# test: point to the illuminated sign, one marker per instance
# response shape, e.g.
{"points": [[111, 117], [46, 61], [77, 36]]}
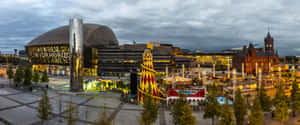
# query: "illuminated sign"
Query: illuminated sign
{"points": [[49, 55]]}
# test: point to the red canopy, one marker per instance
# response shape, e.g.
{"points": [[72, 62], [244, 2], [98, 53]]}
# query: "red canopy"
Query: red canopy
{"points": [[187, 92]]}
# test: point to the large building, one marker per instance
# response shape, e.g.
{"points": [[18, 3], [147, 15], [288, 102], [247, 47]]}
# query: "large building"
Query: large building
{"points": [[253, 58], [102, 53], [128, 57], [50, 51]]}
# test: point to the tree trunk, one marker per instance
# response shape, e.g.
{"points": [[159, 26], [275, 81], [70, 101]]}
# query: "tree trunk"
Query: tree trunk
{"points": [[213, 121], [299, 116]]}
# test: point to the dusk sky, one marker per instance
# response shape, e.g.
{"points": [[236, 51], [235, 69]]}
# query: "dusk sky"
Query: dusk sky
{"points": [[205, 24]]}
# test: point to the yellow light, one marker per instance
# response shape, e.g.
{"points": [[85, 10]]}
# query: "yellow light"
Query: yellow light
{"points": [[160, 61]]}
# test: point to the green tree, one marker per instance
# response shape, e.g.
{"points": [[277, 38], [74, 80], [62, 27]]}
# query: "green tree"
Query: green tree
{"points": [[239, 107], [264, 99], [182, 112], [27, 75], [103, 118], [72, 113], [19, 75], [256, 115], [10, 73], [45, 77], [295, 98], [36, 76], [45, 108], [212, 107], [227, 116], [150, 111], [281, 105], [187, 117]]}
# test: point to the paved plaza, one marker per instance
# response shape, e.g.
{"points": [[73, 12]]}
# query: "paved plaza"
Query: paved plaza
{"points": [[19, 107]]}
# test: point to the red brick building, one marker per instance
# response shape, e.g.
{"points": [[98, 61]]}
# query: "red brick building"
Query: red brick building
{"points": [[251, 56]]}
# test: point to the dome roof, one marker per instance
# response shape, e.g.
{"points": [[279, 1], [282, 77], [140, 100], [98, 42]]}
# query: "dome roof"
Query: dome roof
{"points": [[94, 36]]}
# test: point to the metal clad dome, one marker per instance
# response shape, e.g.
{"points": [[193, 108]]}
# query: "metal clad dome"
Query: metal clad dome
{"points": [[94, 36]]}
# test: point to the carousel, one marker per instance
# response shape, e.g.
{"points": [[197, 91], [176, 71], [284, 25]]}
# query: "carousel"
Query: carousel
{"points": [[178, 81]]}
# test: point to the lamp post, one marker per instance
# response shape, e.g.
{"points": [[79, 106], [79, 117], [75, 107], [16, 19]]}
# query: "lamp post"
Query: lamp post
{"points": [[214, 70], [243, 70], [182, 70], [204, 77], [259, 78], [234, 83], [293, 73], [199, 73], [173, 80], [279, 75], [256, 68], [269, 66], [167, 71], [228, 70]]}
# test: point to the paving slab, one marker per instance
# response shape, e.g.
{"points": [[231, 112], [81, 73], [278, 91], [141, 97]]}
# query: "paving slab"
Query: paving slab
{"points": [[20, 116], [55, 105], [56, 121], [200, 120], [91, 114], [4, 81], [125, 117], [128, 106], [110, 94], [7, 91], [25, 97], [75, 99], [5, 103], [50, 93], [169, 119], [110, 103]]}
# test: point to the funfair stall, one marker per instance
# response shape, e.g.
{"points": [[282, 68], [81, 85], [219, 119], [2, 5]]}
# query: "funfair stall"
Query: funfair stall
{"points": [[193, 96]]}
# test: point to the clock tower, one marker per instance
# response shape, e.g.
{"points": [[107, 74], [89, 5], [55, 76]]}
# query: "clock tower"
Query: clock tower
{"points": [[269, 45]]}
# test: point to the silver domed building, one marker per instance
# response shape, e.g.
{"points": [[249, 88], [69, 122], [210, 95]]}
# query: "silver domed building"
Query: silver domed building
{"points": [[50, 51]]}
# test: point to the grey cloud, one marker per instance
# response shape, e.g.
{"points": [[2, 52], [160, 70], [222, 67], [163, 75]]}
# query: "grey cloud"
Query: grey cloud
{"points": [[204, 24]]}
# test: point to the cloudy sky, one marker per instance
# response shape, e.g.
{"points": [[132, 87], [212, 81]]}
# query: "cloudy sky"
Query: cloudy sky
{"points": [[204, 24]]}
